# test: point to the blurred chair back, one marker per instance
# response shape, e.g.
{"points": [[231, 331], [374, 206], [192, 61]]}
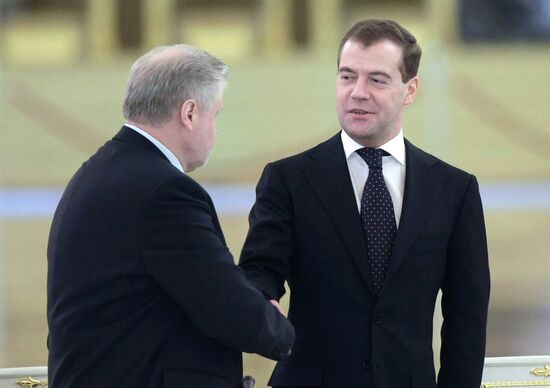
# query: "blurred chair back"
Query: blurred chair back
{"points": [[523, 371], [34, 377]]}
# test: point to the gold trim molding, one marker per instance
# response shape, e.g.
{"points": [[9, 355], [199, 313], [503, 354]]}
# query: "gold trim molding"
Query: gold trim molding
{"points": [[541, 372], [517, 384], [30, 382], [545, 372]]}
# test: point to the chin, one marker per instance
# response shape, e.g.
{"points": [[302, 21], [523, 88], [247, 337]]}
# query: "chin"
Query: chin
{"points": [[359, 133], [202, 162]]}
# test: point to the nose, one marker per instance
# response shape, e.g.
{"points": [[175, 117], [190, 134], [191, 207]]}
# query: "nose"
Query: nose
{"points": [[360, 90]]}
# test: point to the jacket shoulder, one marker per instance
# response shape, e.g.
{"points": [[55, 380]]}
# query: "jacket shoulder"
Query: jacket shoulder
{"points": [[125, 167], [312, 153], [444, 168]]}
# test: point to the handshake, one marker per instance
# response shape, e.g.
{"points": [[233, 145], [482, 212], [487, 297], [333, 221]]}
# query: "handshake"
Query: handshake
{"points": [[276, 304], [249, 381]]}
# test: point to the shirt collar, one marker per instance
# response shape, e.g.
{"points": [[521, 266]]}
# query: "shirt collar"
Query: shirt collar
{"points": [[395, 147], [166, 152]]}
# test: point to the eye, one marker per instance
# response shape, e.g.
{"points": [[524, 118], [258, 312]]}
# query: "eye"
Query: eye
{"points": [[379, 81], [346, 77]]}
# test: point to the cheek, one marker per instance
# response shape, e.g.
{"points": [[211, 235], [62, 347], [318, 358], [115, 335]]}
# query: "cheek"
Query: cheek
{"points": [[213, 132], [340, 102], [390, 103], [341, 93]]}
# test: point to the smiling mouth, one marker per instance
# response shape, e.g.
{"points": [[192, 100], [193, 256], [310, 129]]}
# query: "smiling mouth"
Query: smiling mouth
{"points": [[359, 112]]}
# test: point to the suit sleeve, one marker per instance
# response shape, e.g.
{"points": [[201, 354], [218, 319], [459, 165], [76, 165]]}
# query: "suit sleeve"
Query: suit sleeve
{"points": [[465, 297], [268, 246], [185, 254]]}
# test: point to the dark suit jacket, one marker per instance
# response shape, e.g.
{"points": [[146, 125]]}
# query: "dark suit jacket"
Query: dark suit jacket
{"points": [[142, 289], [305, 228]]}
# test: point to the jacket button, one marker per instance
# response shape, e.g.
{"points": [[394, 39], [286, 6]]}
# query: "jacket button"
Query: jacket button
{"points": [[378, 319], [366, 364]]}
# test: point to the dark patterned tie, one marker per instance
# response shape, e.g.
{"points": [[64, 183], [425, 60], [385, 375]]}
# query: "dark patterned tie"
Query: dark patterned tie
{"points": [[377, 217]]}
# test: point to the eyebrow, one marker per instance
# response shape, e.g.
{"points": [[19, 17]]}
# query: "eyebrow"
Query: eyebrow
{"points": [[346, 69], [381, 73]]}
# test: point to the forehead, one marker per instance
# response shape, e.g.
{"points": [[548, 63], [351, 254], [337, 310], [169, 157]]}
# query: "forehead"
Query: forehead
{"points": [[383, 55]]}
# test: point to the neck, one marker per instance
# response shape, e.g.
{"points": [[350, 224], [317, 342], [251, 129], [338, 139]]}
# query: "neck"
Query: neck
{"points": [[167, 134], [375, 142]]}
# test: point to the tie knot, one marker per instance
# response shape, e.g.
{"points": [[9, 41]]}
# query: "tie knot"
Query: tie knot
{"points": [[372, 156]]}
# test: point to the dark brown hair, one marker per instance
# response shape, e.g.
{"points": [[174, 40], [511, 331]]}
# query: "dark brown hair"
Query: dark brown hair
{"points": [[371, 31]]}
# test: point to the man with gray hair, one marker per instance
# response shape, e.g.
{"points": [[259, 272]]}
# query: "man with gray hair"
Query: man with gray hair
{"points": [[142, 289]]}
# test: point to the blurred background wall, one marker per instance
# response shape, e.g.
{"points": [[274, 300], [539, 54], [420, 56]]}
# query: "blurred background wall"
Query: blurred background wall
{"points": [[483, 106]]}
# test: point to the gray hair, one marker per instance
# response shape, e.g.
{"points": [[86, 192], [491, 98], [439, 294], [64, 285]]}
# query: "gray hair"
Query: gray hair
{"points": [[165, 77]]}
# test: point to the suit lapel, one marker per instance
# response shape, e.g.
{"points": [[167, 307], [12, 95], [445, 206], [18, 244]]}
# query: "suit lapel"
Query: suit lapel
{"points": [[422, 188], [329, 178]]}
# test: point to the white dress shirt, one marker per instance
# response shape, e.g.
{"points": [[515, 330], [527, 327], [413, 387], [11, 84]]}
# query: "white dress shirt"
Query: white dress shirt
{"points": [[393, 169], [169, 155]]}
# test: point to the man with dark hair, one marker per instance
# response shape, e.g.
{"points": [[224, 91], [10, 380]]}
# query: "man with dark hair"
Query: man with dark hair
{"points": [[142, 289], [366, 229]]}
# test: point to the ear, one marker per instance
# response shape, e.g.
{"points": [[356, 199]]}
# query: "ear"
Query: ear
{"points": [[412, 87], [188, 112]]}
